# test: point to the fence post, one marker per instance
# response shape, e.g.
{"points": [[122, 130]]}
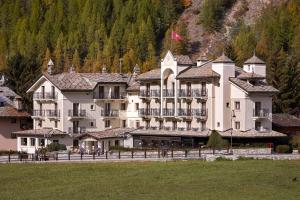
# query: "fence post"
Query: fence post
{"points": [[69, 155], [185, 153], [21, 156], [199, 152], [119, 154], [56, 156], [145, 154], [105, 154], [172, 152], [9, 157], [132, 154], [94, 155], [81, 155]]}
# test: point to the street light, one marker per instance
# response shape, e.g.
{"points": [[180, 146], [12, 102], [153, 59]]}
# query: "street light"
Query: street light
{"points": [[232, 117]]}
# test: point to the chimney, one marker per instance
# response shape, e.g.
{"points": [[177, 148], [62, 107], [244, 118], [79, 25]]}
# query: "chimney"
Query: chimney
{"points": [[136, 70], [104, 71], [50, 67], [201, 60]]}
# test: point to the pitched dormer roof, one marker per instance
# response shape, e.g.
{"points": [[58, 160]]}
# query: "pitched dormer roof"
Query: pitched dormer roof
{"points": [[183, 60], [254, 60], [223, 59]]}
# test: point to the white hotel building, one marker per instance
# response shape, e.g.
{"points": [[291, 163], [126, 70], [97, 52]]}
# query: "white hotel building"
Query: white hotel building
{"points": [[177, 104]]}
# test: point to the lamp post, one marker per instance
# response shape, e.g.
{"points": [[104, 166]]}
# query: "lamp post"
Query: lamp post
{"points": [[232, 117]]}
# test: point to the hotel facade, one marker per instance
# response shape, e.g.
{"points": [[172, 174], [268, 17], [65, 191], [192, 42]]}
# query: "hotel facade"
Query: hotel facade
{"points": [[177, 104]]}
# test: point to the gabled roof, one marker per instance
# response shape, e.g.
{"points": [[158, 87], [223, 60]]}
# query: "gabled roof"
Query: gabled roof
{"points": [[223, 59], [10, 111], [241, 74], [203, 71], [285, 120], [7, 92], [246, 86], [153, 74], [254, 60], [109, 133], [183, 60]]}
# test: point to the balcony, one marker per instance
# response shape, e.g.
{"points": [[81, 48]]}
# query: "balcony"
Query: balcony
{"points": [[53, 114], [38, 114], [149, 94], [197, 93], [76, 114], [110, 113], [45, 97], [109, 97], [200, 114], [168, 93], [262, 129], [168, 112], [184, 93], [261, 114], [185, 113], [154, 112], [76, 130]]}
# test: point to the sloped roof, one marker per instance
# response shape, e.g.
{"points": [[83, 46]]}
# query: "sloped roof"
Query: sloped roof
{"points": [[223, 59], [109, 133], [245, 85], [153, 74], [203, 71], [254, 60], [41, 132], [7, 92], [285, 120], [183, 60], [251, 134], [133, 86], [10, 111], [241, 74]]}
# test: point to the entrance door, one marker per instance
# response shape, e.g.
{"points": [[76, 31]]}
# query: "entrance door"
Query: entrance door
{"points": [[189, 89], [107, 108], [75, 109], [75, 126]]}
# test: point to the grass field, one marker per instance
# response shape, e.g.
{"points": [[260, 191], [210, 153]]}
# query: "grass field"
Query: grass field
{"points": [[152, 180]]}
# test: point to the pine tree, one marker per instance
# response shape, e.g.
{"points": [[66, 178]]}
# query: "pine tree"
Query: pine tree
{"points": [[46, 59]]}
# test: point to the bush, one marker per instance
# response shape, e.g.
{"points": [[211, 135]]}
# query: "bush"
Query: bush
{"points": [[215, 141], [56, 147], [283, 149], [5, 152]]}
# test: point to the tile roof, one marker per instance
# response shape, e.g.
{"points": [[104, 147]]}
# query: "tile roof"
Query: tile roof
{"points": [[10, 111], [84, 81], [241, 74], [245, 85], [150, 75], [109, 133], [183, 60], [285, 120], [203, 71], [223, 59], [133, 86], [251, 134], [7, 92], [254, 60], [41, 132]]}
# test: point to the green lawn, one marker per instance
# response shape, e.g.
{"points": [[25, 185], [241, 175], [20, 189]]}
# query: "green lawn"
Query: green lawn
{"points": [[152, 180]]}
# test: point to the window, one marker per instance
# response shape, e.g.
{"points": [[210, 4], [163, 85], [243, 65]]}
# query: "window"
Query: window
{"points": [[13, 120], [107, 123], [257, 125], [147, 124], [137, 124], [32, 142], [136, 106], [174, 125], [92, 107], [123, 106], [203, 126], [117, 143], [227, 105], [188, 125], [218, 124], [92, 124], [161, 124], [237, 105], [24, 141], [40, 123], [75, 143], [124, 123], [55, 124], [41, 142], [237, 125]]}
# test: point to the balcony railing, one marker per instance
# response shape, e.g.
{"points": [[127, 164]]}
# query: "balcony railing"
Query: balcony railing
{"points": [[111, 96], [110, 113], [168, 112], [262, 113], [155, 93], [168, 93], [53, 113], [77, 113], [38, 113], [150, 93], [199, 93], [143, 112], [45, 96], [199, 112], [76, 130], [184, 112]]}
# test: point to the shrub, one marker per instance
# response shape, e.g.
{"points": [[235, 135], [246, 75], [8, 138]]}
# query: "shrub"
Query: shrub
{"points": [[215, 141], [5, 152], [56, 147], [283, 149], [241, 158], [223, 159], [295, 141]]}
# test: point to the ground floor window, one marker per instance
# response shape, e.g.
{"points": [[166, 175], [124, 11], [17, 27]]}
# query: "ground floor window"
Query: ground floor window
{"points": [[24, 141], [32, 142], [75, 143], [41, 142]]}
